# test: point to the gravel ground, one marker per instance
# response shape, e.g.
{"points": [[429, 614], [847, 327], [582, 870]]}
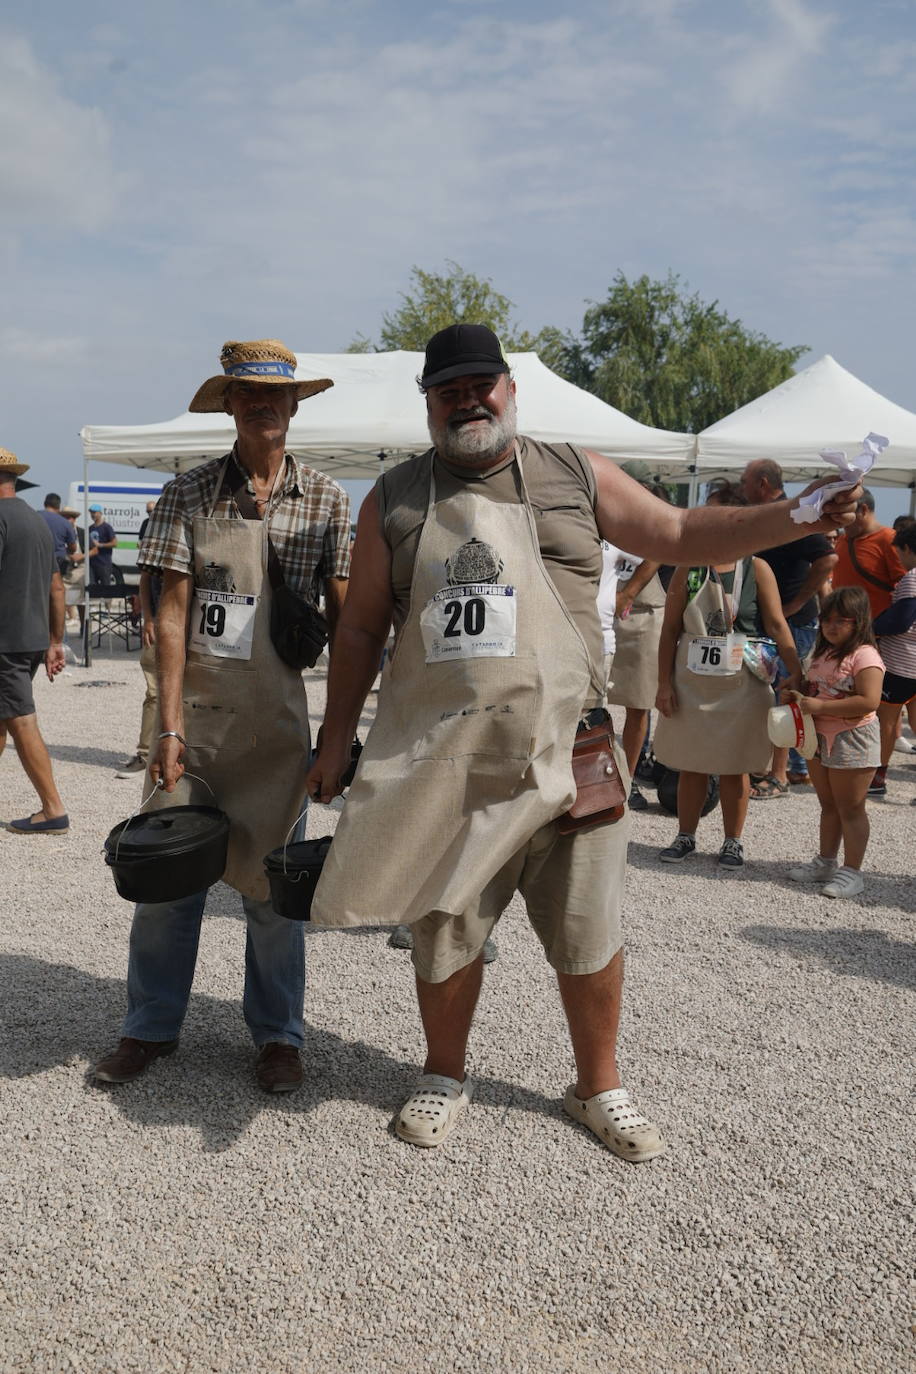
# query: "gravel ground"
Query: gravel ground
{"points": [[188, 1222]]}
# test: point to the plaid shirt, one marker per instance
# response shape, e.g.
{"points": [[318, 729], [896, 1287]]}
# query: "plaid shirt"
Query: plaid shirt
{"points": [[309, 523]]}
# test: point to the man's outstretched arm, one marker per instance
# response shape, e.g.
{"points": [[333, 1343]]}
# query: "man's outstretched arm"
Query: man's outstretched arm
{"points": [[633, 519]]}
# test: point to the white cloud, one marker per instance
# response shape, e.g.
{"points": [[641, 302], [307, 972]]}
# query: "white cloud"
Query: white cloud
{"points": [[55, 163], [25, 346], [759, 74]]}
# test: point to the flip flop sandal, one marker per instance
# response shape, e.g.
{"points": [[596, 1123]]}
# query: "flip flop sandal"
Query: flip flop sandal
{"points": [[616, 1122], [432, 1112], [768, 788]]}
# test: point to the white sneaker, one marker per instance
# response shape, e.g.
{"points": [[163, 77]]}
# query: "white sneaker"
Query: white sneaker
{"points": [[133, 765], [903, 746], [846, 882], [819, 870]]}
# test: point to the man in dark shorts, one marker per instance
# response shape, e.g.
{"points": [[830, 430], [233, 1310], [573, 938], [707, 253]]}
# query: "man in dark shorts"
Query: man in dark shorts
{"points": [[31, 633], [102, 540], [800, 568]]}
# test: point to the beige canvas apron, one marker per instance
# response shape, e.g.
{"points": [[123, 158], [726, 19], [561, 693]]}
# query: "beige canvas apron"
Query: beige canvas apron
{"points": [[245, 719], [634, 675], [467, 758], [720, 725]]}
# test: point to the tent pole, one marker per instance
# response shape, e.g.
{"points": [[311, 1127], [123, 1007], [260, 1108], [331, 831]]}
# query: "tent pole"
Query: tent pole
{"points": [[87, 635], [694, 485]]}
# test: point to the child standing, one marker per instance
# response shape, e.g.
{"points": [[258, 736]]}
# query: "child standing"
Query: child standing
{"points": [[844, 688]]}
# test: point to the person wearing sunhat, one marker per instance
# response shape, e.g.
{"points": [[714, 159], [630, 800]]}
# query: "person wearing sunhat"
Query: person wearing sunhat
{"points": [[233, 727], [31, 633], [485, 552]]}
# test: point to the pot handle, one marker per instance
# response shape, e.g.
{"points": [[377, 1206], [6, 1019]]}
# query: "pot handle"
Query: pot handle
{"points": [[149, 797]]}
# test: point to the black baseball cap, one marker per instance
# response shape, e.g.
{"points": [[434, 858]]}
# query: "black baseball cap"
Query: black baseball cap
{"points": [[462, 350]]}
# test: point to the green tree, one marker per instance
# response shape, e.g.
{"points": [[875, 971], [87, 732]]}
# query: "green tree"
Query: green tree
{"points": [[436, 300], [668, 359]]}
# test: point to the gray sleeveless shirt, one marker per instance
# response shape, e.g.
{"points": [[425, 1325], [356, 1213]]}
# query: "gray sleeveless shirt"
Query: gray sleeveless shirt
{"points": [[561, 488]]}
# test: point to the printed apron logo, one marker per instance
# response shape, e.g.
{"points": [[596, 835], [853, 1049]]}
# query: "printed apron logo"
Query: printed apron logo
{"points": [[474, 616], [213, 577]]}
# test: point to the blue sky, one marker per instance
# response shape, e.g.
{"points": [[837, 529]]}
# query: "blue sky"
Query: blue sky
{"points": [[175, 175]]}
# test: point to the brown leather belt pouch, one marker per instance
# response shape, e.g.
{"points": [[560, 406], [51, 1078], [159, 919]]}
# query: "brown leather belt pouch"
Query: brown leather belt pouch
{"points": [[600, 793]]}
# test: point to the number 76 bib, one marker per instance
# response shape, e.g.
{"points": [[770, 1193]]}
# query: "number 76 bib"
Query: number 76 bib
{"points": [[222, 623], [716, 655], [471, 621]]}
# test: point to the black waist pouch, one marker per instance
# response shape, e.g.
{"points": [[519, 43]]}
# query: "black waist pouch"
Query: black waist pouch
{"points": [[298, 632]]}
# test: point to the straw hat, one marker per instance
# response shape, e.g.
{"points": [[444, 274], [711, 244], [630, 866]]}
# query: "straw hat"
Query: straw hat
{"points": [[70, 510], [10, 465], [789, 728], [260, 360]]}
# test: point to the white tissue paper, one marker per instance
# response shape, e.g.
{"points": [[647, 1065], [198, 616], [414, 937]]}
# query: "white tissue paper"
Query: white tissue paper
{"points": [[849, 472]]}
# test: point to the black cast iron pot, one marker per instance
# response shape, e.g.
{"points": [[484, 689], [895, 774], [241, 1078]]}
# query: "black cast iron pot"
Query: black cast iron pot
{"points": [[169, 854], [293, 871]]}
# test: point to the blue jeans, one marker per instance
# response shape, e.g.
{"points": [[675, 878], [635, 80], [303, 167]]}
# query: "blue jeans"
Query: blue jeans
{"points": [[804, 636], [163, 954]]}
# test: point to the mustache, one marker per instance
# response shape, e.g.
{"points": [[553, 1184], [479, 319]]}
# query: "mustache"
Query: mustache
{"points": [[475, 413]]}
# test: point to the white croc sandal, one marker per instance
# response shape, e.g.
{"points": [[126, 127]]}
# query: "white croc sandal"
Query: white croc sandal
{"points": [[617, 1123], [431, 1113]]}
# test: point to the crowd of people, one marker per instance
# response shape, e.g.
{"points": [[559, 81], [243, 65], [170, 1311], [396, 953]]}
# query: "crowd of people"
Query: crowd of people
{"points": [[500, 563], [840, 611]]}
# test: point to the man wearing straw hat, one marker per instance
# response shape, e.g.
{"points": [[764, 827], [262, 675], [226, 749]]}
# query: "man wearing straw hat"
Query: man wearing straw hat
{"points": [[233, 717], [31, 633], [485, 551]]}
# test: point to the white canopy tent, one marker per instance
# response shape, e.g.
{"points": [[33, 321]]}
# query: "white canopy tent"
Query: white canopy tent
{"points": [[823, 407], [374, 415]]}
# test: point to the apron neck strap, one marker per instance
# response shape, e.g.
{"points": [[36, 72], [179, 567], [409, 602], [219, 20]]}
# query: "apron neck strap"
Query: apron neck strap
{"points": [[730, 604], [235, 484]]}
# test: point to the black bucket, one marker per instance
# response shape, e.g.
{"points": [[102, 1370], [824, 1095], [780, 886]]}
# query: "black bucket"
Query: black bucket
{"points": [[293, 872], [667, 791], [165, 855]]}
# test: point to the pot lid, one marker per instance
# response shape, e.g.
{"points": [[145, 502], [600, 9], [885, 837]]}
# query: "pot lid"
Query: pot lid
{"points": [[171, 830], [301, 857]]}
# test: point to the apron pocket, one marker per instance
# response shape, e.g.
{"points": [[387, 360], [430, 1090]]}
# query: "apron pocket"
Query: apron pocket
{"points": [[212, 727], [490, 711]]}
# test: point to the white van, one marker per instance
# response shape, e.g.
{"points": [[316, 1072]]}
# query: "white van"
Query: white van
{"points": [[124, 507]]}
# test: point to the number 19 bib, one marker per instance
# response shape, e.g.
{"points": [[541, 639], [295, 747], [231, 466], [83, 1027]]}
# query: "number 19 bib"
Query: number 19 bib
{"points": [[222, 623], [471, 621]]}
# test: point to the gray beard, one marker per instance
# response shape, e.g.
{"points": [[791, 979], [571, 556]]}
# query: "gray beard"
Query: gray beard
{"points": [[475, 448]]}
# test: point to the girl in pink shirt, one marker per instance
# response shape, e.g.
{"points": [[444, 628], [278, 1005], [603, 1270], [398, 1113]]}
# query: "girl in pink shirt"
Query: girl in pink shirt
{"points": [[843, 691]]}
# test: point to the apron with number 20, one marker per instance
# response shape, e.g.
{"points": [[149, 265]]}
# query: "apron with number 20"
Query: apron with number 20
{"points": [[470, 752]]}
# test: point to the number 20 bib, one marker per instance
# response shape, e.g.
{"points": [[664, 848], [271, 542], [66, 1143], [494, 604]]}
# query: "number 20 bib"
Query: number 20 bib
{"points": [[470, 621], [222, 623]]}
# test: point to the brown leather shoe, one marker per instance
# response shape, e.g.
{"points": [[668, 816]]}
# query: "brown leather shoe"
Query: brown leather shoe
{"points": [[278, 1068], [131, 1058]]}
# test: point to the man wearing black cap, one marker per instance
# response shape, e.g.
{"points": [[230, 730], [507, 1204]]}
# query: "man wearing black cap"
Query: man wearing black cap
{"points": [[485, 552]]}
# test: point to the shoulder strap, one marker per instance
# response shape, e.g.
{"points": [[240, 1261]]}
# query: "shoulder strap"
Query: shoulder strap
{"points": [[869, 577]]}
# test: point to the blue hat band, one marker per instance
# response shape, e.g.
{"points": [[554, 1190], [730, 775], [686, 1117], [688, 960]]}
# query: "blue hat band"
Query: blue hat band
{"points": [[277, 369]]}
